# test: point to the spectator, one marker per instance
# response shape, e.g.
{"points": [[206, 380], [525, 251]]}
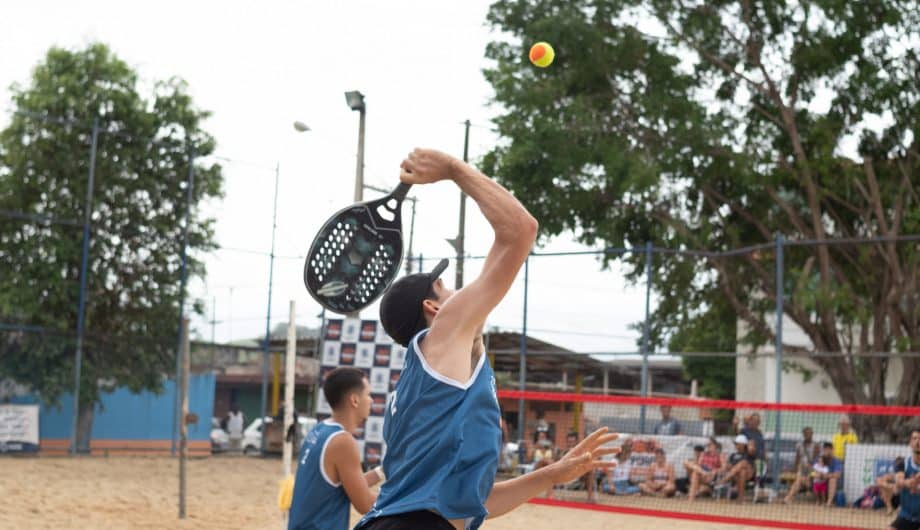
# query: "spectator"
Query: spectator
{"points": [[660, 481], [740, 467], [886, 486], [542, 453], [620, 477], [704, 471], [235, 422], [541, 424], [683, 484], [806, 454], [586, 481], [822, 476], [751, 431], [668, 426], [831, 476], [842, 438], [907, 485]]}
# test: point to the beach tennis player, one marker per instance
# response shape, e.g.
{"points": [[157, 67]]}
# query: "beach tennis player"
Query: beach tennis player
{"points": [[329, 475], [442, 423]]}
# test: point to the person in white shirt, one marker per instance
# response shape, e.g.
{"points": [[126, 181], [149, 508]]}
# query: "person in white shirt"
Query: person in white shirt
{"points": [[235, 427]]}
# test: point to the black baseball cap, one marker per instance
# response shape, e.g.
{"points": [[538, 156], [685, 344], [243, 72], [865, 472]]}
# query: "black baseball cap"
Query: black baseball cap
{"points": [[401, 307]]}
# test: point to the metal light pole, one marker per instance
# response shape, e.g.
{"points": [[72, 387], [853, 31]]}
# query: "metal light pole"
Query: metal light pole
{"points": [[459, 242], [84, 272], [268, 315], [355, 101], [183, 280]]}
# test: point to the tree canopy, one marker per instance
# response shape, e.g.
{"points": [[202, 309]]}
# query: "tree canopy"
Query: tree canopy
{"points": [[717, 125], [138, 212]]}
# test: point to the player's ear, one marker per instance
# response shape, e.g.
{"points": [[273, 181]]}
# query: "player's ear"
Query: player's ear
{"points": [[430, 308]]}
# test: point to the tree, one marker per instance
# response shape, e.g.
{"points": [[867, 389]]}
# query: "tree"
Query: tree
{"points": [[711, 331], [716, 125], [138, 212]]}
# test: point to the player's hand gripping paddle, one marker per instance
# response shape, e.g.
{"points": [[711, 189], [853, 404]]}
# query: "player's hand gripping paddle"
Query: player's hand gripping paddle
{"points": [[357, 253]]}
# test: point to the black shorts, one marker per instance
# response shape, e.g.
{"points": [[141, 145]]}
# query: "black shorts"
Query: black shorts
{"points": [[905, 524], [420, 520]]}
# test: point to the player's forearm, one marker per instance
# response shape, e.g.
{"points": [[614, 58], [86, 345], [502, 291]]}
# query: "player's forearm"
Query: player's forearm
{"points": [[508, 217], [510, 494]]}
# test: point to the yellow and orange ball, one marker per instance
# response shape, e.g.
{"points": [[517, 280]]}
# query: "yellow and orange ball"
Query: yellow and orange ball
{"points": [[542, 54]]}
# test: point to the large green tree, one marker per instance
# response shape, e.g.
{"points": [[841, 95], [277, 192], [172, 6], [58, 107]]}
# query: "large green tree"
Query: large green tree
{"points": [[138, 212], [716, 125]]}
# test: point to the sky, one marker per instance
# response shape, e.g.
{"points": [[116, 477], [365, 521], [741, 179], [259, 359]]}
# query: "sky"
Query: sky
{"points": [[259, 66]]}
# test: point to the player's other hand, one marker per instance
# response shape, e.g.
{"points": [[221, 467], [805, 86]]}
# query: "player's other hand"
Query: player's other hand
{"points": [[585, 457], [424, 166]]}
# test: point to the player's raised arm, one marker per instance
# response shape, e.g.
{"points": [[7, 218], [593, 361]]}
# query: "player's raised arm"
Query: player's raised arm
{"points": [[454, 324]]}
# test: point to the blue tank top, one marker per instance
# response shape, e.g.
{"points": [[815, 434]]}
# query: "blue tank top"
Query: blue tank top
{"points": [[318, 503], [443, 440], [910, 499]]}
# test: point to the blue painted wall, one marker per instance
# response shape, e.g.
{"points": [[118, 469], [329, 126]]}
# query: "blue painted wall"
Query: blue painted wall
{"points": [[124, 415]]}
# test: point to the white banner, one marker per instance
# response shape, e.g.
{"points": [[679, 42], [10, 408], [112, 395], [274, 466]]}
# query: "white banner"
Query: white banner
{"points": [[18, 428], [864, 463]]}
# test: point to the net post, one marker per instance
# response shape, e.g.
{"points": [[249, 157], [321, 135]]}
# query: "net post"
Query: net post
{"points": [[778, 359], [522, 368]]}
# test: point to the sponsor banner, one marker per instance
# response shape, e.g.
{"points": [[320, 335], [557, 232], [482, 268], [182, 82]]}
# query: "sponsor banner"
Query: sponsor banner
{"points": [[365, 345], [18, 428]]}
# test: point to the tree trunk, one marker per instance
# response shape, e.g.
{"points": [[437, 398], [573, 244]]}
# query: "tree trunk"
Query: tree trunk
{"points": [[85, 427]]}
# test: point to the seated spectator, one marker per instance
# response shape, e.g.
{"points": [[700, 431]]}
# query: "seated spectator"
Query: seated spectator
{"points": [[886, 487], [821, 477], [585, 481], [668, 426], [740, 467], [660, 481], [542, 453], [806, 453], [706, 469], [751, 431], [683, 484], [619, 478]]}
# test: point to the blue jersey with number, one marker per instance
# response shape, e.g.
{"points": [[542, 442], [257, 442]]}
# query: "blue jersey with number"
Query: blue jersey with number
{"points": [[910, 499], [318, 503], [443, 442]]}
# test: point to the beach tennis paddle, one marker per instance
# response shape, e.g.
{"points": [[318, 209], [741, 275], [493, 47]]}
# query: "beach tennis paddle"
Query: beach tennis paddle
{"points": [[357, 254]]}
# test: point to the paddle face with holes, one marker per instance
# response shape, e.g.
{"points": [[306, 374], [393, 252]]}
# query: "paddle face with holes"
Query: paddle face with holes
{"points": [[356, 254]]}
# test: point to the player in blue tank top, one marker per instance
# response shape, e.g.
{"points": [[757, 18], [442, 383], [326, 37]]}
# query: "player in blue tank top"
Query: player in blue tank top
{"points": [[442, 424], [908, 484], [329, 475]]}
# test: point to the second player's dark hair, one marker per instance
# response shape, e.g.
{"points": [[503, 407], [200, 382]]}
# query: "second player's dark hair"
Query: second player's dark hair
{"points": [[340, 382]]}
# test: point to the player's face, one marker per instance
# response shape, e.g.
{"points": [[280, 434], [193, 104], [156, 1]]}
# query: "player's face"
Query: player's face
{"points": [[915, 441], [365, 400]]}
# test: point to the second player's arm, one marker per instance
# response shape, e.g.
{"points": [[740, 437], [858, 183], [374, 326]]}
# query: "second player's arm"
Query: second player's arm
{"points": [[584, 458], [342, 452]]}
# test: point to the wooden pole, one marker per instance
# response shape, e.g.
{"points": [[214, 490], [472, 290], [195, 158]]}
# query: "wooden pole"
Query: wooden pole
{"points": [[289, 381]]}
